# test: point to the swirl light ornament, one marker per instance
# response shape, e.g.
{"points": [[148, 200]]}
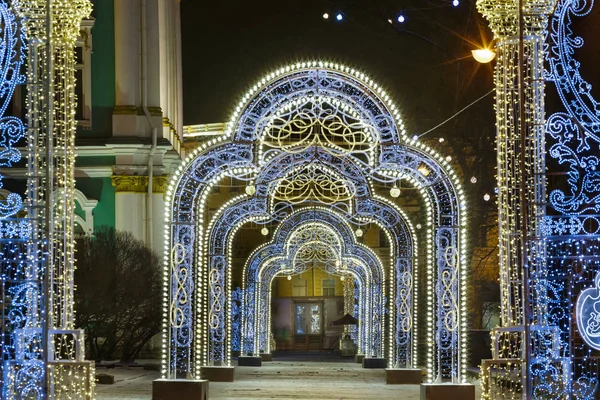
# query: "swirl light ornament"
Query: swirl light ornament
{"points": [[12, 129], [314, 183], [572, 227], [588, 314], [318, 121], [292, 128]]}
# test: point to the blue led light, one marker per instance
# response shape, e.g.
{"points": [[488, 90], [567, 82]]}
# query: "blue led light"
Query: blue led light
{"points": [[571, 228]]}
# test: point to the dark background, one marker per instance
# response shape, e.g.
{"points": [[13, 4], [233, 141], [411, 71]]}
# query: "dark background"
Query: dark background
{"points": [[424, 63]]}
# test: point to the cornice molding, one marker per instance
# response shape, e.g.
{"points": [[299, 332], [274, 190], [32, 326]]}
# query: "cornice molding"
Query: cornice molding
{"points": [[139, 183]]}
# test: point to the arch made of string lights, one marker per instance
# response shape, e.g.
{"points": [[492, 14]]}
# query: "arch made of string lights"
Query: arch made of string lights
{"points": [[368, 208], [263, 264], [384, 154]]}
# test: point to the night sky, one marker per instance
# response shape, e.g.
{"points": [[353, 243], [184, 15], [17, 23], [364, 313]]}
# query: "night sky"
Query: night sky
{"points": [[228, 45], [424, 62]]}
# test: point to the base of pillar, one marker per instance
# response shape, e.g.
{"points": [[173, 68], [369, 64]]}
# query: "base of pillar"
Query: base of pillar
{"points": [[447, 391], [248, 361], [180, 389], [217, 373], [266, 356], [403, 376], [372, 362], [359, 358]]}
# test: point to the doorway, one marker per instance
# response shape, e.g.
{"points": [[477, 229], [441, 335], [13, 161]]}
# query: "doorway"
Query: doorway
{"points": [[308, 325]]}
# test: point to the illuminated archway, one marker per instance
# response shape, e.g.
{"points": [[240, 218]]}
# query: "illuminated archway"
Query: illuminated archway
{"points": [[348, 256], [328, 116]]}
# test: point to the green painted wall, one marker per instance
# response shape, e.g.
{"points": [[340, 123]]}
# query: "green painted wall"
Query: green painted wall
{"points": [[103, 70], [102, 190], [95, 161]]}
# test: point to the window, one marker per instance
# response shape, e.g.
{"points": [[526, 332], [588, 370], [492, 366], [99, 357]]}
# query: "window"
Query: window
{"points": [[298, 287], [328, 287], [83, 74]]}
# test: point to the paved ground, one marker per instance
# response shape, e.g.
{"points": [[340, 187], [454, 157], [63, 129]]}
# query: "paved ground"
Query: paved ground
{"points": [[291, 378]]}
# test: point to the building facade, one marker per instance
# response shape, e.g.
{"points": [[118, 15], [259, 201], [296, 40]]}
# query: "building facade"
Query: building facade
{"points": [[129, 115]]}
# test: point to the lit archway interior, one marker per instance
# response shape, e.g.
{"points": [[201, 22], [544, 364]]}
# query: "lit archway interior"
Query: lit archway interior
{"points": [[316, 147]]}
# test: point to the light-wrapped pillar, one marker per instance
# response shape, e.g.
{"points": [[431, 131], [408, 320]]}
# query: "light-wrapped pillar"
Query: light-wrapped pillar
{"points": [[520, 29], [51, 29]]}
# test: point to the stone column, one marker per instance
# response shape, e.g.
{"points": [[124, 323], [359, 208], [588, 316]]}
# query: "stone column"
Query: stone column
{"points": [[130, 206]]}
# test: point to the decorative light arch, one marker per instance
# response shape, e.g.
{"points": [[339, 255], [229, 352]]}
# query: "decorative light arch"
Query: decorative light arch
{"points": [[368, 271], [194, 272]]}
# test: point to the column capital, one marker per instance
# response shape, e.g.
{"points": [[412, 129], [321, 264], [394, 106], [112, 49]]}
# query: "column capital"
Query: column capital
{"points": [[139, 183], [66, 18], [503, 16]]}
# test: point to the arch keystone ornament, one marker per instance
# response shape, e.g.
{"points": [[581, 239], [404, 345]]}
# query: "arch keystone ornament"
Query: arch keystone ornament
{"points": [[311, 141]]}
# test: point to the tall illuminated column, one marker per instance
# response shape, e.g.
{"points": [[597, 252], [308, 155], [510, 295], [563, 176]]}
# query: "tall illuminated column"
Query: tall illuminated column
{"points": [[520, 119], [503, 17], [51, 29]]}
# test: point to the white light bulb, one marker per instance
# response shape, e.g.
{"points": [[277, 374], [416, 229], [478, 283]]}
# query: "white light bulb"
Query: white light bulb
{"points": [[455, 3], [401, 18], [473, 179], [359, 232], [264, 231], [486, 197], [289, 277], [250, 190], [325, 16], [395, 191]]}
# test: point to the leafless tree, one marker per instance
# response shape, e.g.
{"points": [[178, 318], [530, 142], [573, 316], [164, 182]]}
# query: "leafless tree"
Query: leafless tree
{"points": [[118, 294]]}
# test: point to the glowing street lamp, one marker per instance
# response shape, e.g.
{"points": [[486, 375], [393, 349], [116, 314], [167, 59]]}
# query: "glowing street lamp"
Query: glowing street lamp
{"points": [[483, 56]]}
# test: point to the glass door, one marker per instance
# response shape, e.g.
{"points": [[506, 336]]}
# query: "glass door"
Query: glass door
{"points": [[308, 325]]}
